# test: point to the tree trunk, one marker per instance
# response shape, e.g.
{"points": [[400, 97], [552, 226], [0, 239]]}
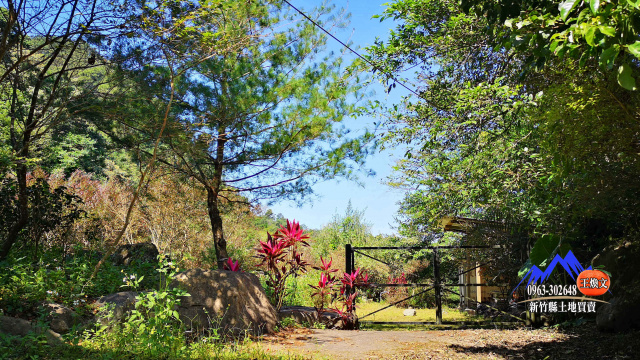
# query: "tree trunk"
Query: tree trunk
{"points": [[23, 208], [213, 190], [216, 228]]}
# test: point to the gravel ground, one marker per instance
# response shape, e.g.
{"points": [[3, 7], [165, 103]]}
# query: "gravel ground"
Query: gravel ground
{"points": [[583, 342]]}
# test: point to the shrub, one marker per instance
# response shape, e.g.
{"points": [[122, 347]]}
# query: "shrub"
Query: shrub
{"points": [[280, 257], [393, 294], [153, 329], [325, 292], [52, 210], [299, 293], [24, 285]]}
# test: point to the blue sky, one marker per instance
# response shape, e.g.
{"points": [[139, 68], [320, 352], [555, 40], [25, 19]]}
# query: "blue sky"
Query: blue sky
{"points": [[379, 201]]}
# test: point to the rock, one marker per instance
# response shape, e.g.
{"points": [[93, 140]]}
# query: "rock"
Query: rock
{"points": [[118, 304], [60, 318], [307, 316], [19, 327], [618, 315], [231, 301], [470, 312], [302, 315], [140, 253], [623, 311], [409, 312]]}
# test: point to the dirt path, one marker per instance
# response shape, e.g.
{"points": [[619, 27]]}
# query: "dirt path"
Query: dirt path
{"points": [[582, 343]]}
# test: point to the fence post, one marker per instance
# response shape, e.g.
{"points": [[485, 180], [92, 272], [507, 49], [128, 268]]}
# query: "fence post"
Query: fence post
{"points": [[436, 283], [348, 268], [348, 255]]}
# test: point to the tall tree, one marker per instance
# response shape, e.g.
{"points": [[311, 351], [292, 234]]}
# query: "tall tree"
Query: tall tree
{"points": [[43, 47], [265, 122], [488, 135], [592, 30], [49, 48]]}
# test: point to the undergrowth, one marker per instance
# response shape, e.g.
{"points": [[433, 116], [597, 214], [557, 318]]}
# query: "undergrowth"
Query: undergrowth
{"points": [[152, 330]]}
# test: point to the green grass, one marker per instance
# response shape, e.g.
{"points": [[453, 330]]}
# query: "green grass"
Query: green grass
{"points": [[33, 347], [151, 331], [395, 314]]}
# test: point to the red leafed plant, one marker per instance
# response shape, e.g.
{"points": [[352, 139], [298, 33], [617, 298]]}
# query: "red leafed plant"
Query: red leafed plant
{"points": [[326, 266], [231, 265], [348, 291], [356, 278], [395, 294], [281, 259], [327, 287], [292, 234]]}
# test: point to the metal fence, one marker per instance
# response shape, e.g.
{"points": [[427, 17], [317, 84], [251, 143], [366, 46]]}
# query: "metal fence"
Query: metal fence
{"points": [[437, 285]]}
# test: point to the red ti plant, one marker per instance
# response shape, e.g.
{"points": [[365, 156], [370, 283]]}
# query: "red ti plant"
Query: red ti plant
{"points": [[350, 281], [231, 265], [326, 286], [281, 259], [348, 296], [292, 234]]}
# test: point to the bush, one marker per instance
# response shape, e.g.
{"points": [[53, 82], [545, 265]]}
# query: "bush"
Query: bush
{"points": [[393, 294], [153, 329], [299, 290], [51, 211], [25, 285]]}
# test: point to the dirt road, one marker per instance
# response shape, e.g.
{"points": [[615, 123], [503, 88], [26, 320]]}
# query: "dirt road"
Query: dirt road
{"points": [[580, 343]]}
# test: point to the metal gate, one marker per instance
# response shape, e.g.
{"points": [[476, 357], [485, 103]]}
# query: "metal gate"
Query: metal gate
{"points": [[437, 285]]}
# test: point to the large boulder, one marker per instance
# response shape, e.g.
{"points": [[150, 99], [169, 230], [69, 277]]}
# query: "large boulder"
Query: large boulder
{"points": [[231, 301], [60, 318], [303, 315], [140, 253], [17, 327], [115, 307], [623, 311]]}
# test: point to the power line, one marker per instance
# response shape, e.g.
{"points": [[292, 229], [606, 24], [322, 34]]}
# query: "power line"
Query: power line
{"points": [[353, 51]]}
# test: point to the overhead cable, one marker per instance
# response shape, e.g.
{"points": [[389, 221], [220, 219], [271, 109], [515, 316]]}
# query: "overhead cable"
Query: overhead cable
{"points": [[375, 67]]}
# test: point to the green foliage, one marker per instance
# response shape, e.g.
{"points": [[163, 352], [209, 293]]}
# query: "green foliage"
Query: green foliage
{"points": [[546, 248], [153, 329], [60, 278], [34, 347], [50, 209], [300, 291], [351, 227], [348, 228], [547, 151], [584, 30]]}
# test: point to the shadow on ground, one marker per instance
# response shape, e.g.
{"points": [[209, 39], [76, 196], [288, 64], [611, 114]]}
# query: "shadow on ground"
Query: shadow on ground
{"points": [[583, 342]]}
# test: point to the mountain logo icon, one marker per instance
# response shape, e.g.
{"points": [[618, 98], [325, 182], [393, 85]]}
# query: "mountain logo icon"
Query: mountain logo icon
{"points": [[570, 264]]}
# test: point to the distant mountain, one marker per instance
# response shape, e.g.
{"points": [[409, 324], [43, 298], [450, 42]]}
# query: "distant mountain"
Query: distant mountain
{"points": [[570, 264]]}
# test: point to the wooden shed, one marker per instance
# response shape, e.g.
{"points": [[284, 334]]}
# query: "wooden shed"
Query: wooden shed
{"points": [[471, 271]]}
